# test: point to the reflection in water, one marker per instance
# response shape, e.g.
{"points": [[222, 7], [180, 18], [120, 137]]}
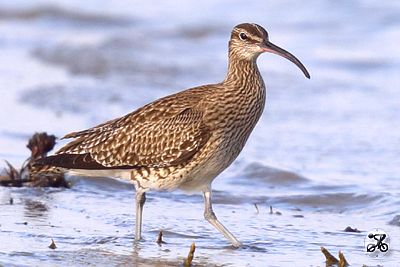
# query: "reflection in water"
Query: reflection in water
{"points": [[35, 209]]}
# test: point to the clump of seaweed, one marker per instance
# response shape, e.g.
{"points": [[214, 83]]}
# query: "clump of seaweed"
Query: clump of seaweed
{"points": [[29, 175], [188, 261], [53, 244], [342, 260], [332, 261], [160, 240]]}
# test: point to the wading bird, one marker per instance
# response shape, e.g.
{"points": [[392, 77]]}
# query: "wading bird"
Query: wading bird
{"points": [[181, 141]]}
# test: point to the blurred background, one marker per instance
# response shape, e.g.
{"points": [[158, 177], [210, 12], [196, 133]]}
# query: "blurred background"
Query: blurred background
{"points": [[325, 152]]}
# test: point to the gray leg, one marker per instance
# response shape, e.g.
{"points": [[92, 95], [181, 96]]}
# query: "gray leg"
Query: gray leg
{"points": [[140, 200], [209, 215]]}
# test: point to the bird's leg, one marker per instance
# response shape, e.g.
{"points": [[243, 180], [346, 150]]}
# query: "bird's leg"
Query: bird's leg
{"points": [[140, 200], [209, 215]]}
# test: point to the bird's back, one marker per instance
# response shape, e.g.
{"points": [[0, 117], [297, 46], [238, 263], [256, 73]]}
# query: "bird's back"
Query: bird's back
{"points": [[165, 132]]}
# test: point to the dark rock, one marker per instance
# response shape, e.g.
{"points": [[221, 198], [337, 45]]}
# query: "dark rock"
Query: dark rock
{"points": [[351, 230]]}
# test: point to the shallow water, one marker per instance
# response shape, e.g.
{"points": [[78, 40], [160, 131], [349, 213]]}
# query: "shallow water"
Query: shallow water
{"points": [[325, 154]]}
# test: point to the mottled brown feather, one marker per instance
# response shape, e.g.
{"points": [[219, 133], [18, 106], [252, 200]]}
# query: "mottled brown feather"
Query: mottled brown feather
{"points": [[164, 133]]}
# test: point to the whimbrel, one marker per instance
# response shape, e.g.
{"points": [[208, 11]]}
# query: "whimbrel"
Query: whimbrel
{"points": [[182, 141]]}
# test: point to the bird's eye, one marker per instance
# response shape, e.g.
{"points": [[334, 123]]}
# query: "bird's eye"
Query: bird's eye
{"points": [[243, 36]]}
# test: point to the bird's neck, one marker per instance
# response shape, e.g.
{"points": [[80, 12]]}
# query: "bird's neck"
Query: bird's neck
{"points": [[244, 82], [242, 72]]}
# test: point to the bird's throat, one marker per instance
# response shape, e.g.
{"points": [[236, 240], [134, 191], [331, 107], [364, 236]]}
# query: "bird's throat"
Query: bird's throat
{"points": [[243, 73]]}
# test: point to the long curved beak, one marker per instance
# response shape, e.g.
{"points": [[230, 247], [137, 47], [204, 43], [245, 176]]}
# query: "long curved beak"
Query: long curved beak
{"points": [[270, 47]]}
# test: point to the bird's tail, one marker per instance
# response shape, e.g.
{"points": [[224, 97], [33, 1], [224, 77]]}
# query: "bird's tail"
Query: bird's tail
{"points": [[39, 166]]}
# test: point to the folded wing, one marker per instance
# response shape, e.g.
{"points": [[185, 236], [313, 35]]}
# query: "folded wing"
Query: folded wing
{"points": [[164, 133]]}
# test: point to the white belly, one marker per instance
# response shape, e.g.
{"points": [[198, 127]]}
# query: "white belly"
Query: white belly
{"points": [[115, 173]]}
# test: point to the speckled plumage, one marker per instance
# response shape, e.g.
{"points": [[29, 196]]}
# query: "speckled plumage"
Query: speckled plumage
{"points": [[183, 140]]}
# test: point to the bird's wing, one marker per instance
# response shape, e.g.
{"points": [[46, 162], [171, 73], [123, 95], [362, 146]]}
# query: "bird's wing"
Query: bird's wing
{"points": [[164, 133]]}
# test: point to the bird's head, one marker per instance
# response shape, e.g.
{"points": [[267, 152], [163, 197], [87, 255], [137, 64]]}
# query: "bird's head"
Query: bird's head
{"points": [[249, 40]]}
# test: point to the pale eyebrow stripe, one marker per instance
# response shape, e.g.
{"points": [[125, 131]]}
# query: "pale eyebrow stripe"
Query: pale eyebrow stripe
{"points": [[251, 36], [239, 30]]}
